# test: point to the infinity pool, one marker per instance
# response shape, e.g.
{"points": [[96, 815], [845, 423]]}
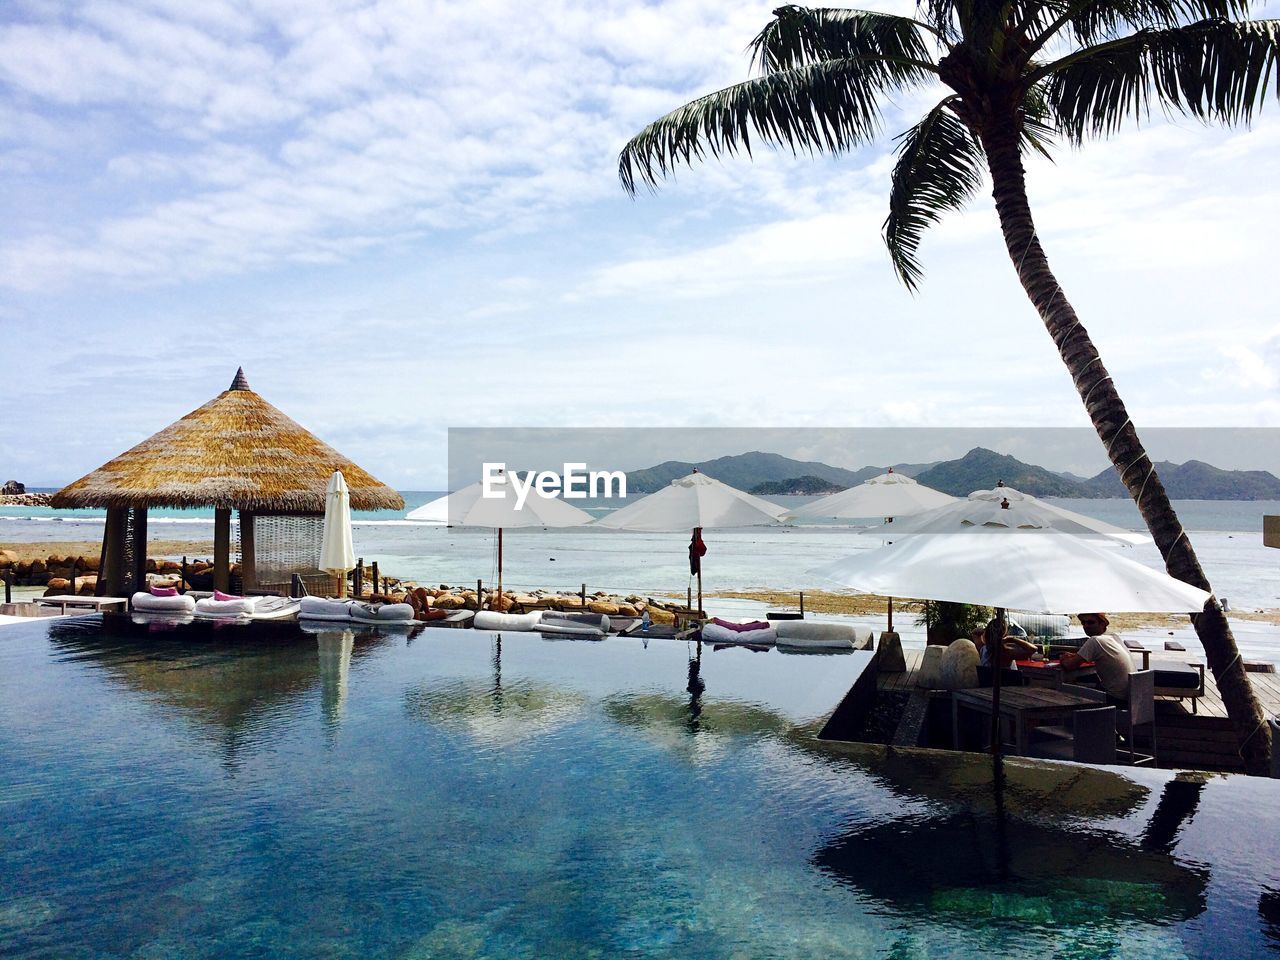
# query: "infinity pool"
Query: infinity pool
{"points": [[270, 793]]}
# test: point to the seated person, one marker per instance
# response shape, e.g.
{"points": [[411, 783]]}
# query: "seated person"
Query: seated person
{"points": [[1014, 647], [1106, 651]]}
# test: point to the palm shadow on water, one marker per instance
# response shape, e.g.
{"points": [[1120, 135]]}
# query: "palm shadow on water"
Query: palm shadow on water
{"points": [[1019, 843]]}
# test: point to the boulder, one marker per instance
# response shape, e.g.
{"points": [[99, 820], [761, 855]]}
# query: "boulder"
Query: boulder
{"points": [[958, 668], [603, 606], [168, 566], [7, 558], [12, 488], [627, 610], [450, 601], [930, 671], [658, 615], [57, 585]]}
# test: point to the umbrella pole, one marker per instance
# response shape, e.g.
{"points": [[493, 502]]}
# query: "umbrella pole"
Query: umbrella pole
{"points": [[497, 605], [891, 614], [997, 660]]}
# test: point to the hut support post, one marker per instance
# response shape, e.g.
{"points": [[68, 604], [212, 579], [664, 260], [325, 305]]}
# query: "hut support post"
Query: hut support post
{"points": [[111, 572], [222, 549], [139, 548], [248, 568]]}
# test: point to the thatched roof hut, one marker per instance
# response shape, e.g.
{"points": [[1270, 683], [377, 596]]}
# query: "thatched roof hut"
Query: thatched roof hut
{"points": [[235, 452]]}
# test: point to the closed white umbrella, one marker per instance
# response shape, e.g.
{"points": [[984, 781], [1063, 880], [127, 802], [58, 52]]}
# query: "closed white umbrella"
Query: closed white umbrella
{"points": [[1046, 573], [888, 495], [1006, 510], [469, 507], [337, 555], [693, 503]]}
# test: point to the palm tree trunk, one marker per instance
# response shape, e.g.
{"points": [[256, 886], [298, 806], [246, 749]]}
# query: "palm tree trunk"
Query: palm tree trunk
{"points": [[1120, 438]]}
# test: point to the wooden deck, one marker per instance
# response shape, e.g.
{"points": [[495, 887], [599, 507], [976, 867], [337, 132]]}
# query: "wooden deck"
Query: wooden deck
{"points": [[1203, 740]]}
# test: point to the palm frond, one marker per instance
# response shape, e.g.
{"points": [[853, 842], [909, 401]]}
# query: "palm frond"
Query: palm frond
{"points": [[798, 36], [1038, 127], [1102, 20], [830, 106], [1213, 70], [939, 168]]}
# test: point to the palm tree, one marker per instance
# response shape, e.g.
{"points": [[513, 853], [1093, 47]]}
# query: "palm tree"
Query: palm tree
{"points": [[1014, 76]]}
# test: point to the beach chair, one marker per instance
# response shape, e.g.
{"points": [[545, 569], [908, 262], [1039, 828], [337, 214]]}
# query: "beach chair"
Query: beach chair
{"points": [[1140, 712]]}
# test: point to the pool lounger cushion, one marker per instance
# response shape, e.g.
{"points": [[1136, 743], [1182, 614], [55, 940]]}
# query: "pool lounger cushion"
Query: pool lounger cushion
{"points": [[238, 609], [575, 624], [515, 622], [718, 633], [1171, 677], [274, 608], [382, 612], [146, 603], [819, 635], [318, 608]]}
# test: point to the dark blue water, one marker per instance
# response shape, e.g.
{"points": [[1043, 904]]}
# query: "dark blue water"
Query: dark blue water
{"points": [[268, 793]]}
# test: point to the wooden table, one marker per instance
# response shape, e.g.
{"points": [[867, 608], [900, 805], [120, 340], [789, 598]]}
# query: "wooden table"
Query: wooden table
{"points": [[96, 604], [1027, 706], [1052, 673]]}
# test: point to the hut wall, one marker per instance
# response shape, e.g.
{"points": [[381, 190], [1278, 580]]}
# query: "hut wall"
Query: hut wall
{"points": [[284, 545]]}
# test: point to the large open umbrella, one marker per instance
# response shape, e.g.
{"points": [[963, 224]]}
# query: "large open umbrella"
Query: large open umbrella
{"points": [[1004, 509], [469, 507], [337, 555], [695, 502], [1038, 570], [888, 495]]}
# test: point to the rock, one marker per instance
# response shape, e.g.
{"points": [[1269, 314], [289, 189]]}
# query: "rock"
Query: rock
{"points": [[168, 566], [627, 610], [958, 669], [57, 585], [891, 659], [38, 568], [13, 488], [930, 668], [603, 606], [7, 558], [449, 601], [658, 615]]}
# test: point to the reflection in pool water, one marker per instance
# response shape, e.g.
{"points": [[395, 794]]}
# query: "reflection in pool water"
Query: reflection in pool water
{"points": [[266, 793]]}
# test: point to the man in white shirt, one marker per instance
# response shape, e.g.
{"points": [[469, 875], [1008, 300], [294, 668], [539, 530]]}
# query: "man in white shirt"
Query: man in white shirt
{"points": [[1106, 651]]}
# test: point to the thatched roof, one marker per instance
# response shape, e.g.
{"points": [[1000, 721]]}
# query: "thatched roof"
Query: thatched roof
{"points": [[237, 451]]}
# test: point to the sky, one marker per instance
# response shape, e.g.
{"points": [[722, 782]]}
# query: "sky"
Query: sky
{"points": [[402, 217]]}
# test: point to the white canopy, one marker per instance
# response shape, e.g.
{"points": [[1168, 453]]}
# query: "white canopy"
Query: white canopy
{"points": [[1049, 573], [337, 555], [1006, 510], [888, 495], [469, 507], [693, 501]]}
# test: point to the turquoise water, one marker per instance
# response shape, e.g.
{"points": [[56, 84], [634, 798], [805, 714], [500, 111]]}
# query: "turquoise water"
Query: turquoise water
{"points": [[267, 793]]}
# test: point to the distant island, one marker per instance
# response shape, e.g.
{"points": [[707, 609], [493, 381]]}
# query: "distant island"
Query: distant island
{"points": [[796, 487], [770, 474]]}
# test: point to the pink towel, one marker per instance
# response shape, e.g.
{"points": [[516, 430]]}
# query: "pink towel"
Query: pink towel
{"points": [[741, 627], [219, 595], [164, 591]]}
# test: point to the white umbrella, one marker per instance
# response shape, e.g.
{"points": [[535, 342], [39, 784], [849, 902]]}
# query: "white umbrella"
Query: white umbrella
{"points": [[693, 503], [1006, 510], [469, 507], [337, 555], [888, 495], [1049, 573]]}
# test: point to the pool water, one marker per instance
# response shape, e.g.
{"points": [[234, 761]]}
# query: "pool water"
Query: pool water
{"points": [[238, 792]]}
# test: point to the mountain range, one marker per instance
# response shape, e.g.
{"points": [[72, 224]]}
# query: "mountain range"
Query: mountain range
{"points": [[977, 470]]}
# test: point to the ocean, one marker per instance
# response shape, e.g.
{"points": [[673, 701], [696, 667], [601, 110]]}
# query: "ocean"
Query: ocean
{"points": [[1227, 536]]}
